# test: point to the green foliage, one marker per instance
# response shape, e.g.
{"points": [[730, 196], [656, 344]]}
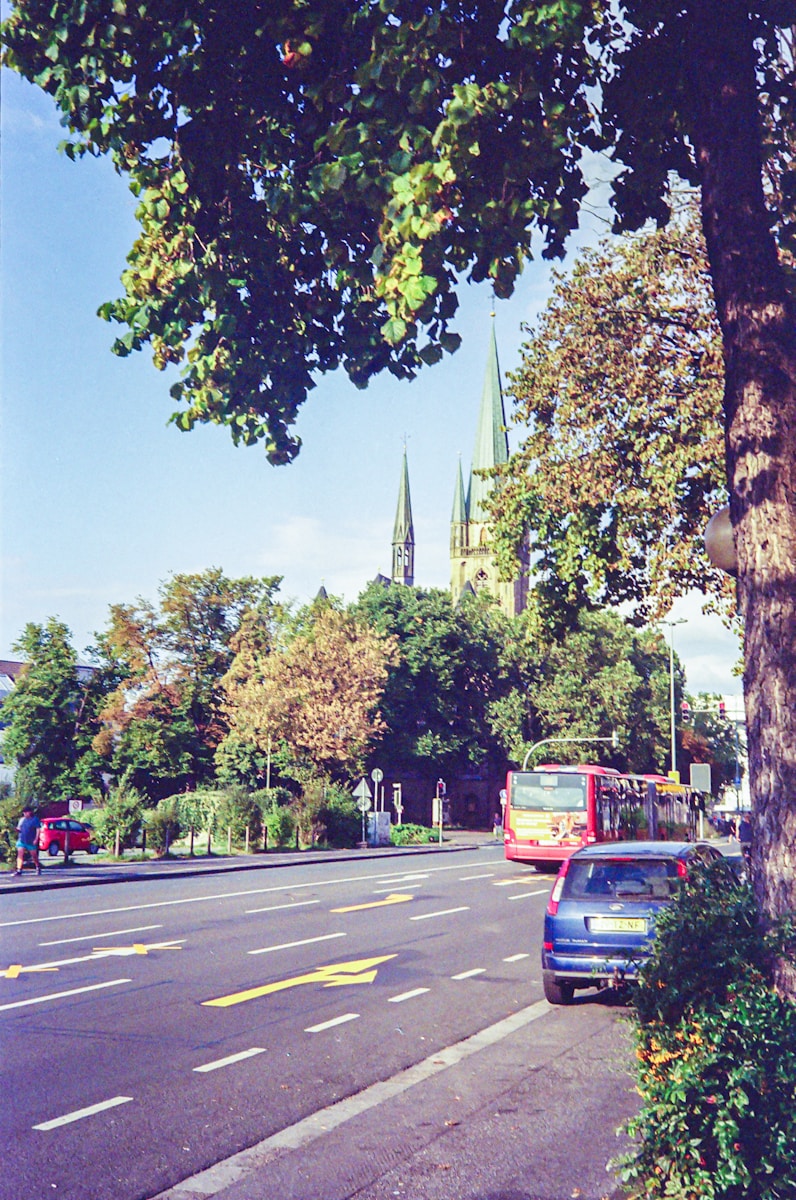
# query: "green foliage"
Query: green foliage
{"points": [[280, 823], [622, 461], [599, 676], [10, 812], [340, 819], [716, 1045], [48, 717], [449, 669], [163, 825], [122, 812], [412, 835], [164, 720], [197, 810], [237, 811]]}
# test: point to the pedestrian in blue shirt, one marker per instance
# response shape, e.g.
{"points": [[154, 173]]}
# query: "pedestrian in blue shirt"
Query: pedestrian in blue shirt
{"points": [[28, 840]]}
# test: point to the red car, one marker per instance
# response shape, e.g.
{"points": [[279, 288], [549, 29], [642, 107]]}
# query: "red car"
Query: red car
{"points": [[55, 830]]}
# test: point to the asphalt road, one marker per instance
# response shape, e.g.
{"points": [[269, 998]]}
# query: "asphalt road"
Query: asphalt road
{"points": [[153, 1029]]}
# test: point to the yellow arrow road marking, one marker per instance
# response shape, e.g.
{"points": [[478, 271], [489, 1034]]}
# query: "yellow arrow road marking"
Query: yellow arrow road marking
{"points": [[393, 898], [14, 971], [335, 975], [136, 948]]}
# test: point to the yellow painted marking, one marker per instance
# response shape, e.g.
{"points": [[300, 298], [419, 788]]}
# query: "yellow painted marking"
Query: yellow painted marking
{"points": [[336, 975], [136, 948], [14, 971], [393, 898]]}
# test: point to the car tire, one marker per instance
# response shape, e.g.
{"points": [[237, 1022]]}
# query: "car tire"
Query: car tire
{"points": [[557, 991], [52, 849], [93, 848]]}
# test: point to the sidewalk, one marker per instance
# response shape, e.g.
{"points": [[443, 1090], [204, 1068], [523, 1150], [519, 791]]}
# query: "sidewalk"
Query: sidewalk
{"points": [[86, 870]]}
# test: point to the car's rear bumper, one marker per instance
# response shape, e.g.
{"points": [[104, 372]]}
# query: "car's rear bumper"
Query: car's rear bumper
{"points": [[587, 969]]}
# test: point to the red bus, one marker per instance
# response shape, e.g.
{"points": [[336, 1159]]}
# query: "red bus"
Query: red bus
{"points": [[553, 810]]}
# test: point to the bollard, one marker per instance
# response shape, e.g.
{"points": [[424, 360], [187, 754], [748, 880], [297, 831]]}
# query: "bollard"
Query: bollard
{"points": [[191, 843], [229, 839], [247, 839], [116, 845]]}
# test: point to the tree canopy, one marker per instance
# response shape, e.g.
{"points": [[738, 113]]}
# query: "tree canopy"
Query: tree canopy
{"points": [[622, 460]]}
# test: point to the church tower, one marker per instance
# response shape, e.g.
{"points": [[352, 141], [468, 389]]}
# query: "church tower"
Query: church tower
{"points": [[472, 562], [403, 534]]}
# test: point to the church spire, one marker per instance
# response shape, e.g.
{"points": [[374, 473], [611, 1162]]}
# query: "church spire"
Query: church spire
{"points": [[459, 514], [491, 442], [403, 534]]}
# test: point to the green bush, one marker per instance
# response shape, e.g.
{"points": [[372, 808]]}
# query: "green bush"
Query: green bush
{"points": [[281, 826], [238, 810], [122, 810], [340, 819], [163, 825], [10, 812], [412, 835], [716, 1047]]}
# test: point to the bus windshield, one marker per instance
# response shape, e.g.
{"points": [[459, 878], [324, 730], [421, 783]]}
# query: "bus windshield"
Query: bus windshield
{"points": [[548, 791]]}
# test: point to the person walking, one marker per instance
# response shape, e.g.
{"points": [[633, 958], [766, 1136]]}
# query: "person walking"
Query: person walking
{"points": [[28, 840]]}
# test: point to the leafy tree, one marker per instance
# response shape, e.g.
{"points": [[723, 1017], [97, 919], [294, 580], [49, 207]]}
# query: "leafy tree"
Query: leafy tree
{"points": [[603, 676], [711, 738], [314, 179], [622, 466], [164, 720], [319, 694], [445, 675], [49, 717]]}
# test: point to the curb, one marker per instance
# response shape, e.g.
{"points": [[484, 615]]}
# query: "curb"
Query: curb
{"points": [[159, 869]]}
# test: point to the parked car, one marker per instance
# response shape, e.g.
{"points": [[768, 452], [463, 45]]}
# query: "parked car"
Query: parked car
{"points": [[54, 831], [600, 917]]}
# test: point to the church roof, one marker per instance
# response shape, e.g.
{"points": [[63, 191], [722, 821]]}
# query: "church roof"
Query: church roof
{"points": [[491, 441], [403, 530]]}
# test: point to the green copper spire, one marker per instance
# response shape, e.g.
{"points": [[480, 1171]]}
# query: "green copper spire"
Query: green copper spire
{"points": [[459, 514], [491, 441], [403, 534]]}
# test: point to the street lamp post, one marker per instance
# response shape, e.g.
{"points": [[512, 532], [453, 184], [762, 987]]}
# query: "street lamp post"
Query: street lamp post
{"points": [[673, 730]]}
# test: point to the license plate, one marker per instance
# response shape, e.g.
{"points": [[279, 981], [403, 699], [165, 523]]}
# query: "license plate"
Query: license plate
{"points": [[618, 925]]}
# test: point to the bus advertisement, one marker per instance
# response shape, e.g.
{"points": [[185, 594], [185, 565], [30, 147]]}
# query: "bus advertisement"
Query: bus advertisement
{"points": [[552, 810]]}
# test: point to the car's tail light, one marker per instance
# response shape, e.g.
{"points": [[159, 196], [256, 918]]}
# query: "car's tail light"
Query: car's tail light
{"points": [[558, 887]]}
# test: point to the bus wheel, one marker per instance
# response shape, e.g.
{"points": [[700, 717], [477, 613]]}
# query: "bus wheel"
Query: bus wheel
{"points": [[557, 991]]}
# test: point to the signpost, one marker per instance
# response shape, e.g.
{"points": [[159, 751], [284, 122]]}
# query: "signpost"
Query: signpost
{"points": [[362, 795], [377, 775]]}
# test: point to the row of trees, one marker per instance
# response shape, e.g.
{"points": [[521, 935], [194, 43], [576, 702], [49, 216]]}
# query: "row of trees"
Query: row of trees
{"points": [[221, 683]]}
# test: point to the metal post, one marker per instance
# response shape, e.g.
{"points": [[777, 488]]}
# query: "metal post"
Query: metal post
{"points": [[673, 727]]}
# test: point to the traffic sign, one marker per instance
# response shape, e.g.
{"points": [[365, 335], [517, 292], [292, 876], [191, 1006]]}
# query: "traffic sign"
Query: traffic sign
{"points": [[377, 774], [363, 803]]}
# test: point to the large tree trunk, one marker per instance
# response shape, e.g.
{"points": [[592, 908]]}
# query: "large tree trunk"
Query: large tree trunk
{"points": [[758, 321]]}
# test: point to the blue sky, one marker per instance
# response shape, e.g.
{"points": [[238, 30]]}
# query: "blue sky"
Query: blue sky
{"points": [[102, 499]]}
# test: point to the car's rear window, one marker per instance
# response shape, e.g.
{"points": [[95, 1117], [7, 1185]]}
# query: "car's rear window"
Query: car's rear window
{"points": [[644, 879]]}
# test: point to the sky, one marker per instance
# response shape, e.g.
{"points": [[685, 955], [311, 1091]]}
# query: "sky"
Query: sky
{"points": [[103, 500]]}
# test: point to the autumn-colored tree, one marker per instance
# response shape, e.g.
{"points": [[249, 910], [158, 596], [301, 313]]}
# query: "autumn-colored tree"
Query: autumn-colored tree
{"points": [[319, 694], [621, 466], [164, 721]]}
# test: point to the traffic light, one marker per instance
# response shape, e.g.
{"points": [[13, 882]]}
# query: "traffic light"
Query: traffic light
{"points": [[722, 709], [685, 711]]}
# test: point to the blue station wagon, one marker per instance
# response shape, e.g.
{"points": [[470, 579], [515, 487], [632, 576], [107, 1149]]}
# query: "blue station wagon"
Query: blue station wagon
{"points": [[600, 917]]}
